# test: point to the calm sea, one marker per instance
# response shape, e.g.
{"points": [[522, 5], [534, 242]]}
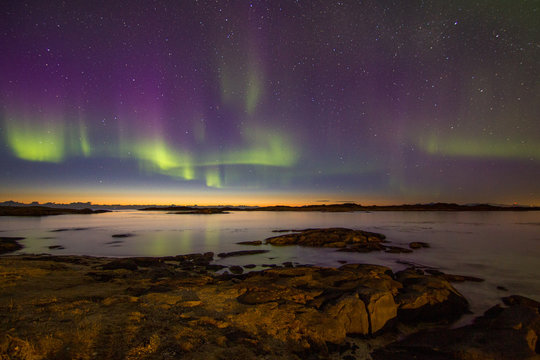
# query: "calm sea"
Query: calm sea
{"points": [[501, 247]]}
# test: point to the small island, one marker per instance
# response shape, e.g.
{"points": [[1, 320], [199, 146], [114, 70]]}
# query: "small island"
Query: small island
{"points": [[43, 211]]}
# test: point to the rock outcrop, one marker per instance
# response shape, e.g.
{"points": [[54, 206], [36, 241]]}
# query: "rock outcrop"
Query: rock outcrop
{"points": [[332, 237], [177, 306], [428, 298]]}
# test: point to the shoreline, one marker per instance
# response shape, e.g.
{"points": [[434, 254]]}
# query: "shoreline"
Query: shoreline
{"points": [[165, 307]]}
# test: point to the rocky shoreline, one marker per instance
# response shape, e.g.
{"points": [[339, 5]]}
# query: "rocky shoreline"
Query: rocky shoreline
{"points": [[179, 307]]}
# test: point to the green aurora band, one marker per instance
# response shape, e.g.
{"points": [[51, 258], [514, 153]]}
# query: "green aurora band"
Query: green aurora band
{"points": [[480, 148], [46, 141], [55, 142]]}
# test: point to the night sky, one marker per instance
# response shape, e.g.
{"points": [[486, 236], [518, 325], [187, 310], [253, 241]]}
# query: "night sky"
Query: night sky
{"points": [[257, 102]]}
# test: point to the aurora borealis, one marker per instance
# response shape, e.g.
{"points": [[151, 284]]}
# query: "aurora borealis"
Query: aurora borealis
{"points": [[257, 102]]}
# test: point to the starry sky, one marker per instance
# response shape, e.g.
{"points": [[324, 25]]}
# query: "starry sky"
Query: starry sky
{"points": [[266, 102]]}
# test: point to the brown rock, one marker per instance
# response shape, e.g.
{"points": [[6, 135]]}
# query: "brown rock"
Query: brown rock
{"points": [[428, 298], [380, 306]]}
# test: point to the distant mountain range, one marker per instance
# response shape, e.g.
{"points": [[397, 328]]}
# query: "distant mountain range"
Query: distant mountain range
{"points": [[345, 207]]}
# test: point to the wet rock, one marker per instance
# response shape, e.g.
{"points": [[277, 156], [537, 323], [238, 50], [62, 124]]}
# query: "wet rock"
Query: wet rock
{"points": [[215, 267], [235, 269], [250, 266], [428, 298], [256, 242], [418, 245], [122, 235], [397, 250], [242, 253], [56, 247], [288, 264], [502, 288], [521, 300], [453, 277], [9, 244]]}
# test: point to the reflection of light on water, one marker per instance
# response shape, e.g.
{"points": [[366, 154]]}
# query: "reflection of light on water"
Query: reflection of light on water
{"points": [[185, 241], [211, 238]]}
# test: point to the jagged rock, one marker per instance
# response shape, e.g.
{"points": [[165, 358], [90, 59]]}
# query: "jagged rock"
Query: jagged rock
{"points": [[428, 298], [380, 306], [357, 296]]}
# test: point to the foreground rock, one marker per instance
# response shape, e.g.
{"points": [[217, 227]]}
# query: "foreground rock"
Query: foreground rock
{"points": [[428, 298], [502, 333], [177, 307]]}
